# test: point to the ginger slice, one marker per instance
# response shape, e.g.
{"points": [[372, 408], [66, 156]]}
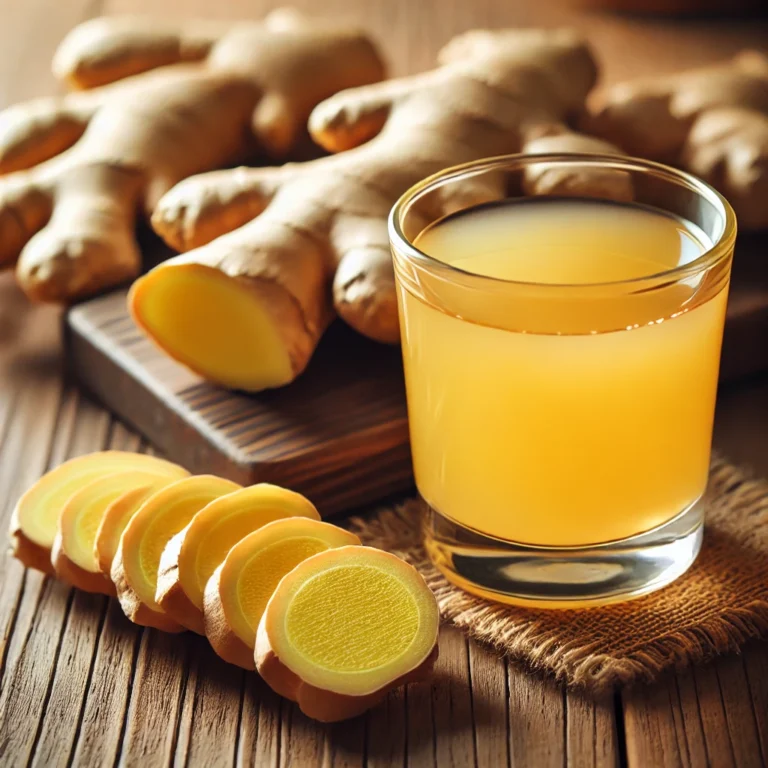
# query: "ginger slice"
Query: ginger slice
{"points": [[273, 253], [114, 521], [34, 520], [237, 593], [73, 554], [345, 627], [193, 554], [159, 519]]}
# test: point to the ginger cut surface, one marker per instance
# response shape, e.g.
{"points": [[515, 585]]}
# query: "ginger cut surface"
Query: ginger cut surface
{"points": [[343, 628], [114, 521], [272, 254], [157, 103], [73, 554], [34, 521], [193, 554], [239, 590], [711, 121], [158, 520]]}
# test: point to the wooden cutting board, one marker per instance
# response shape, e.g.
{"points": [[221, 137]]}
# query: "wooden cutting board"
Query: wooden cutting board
{"points": [[339, 434]]}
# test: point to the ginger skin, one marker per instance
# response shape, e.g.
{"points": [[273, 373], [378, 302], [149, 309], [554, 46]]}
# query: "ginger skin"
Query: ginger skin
{"points": [[711, 121], [280, 238], [81, 166]]}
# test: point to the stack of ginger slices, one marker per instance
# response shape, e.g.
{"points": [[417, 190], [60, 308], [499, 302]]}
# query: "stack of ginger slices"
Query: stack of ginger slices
{"points": [[327, 622]]}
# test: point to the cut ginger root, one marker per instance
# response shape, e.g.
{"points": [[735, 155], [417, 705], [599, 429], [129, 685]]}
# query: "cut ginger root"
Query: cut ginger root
{"points": [[711, 121], [168, 103], [73, 554], [158, 520], [274, 253], [343, 628], [239, 590], [35, 518], [193, 554]]}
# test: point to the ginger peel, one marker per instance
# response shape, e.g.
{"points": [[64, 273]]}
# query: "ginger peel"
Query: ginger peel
{"points": [[247, 303], [711, 121], [169, 102], [192, 555], [345, 627]]}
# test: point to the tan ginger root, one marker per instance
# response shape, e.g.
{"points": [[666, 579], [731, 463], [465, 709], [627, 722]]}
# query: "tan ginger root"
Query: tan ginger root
{"points": [[711, 121], [80, 166], [249, 302]]}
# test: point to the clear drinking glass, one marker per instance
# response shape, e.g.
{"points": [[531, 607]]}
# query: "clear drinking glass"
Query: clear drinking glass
{"points": [[561, 433]]}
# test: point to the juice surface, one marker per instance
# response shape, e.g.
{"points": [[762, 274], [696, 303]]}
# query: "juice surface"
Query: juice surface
{"points": [[569, 437]]}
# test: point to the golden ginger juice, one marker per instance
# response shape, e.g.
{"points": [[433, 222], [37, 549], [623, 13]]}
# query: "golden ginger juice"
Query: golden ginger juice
{"points": [[581, 411]]}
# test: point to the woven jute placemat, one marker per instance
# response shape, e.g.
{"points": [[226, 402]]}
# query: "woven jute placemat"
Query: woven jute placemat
{"points": [[717, 606]]}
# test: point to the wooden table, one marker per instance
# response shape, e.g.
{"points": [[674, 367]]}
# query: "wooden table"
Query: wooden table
{"points": [[81, 685]]}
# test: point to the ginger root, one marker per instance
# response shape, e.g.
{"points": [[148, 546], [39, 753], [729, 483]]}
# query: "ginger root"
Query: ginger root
{"points": [[158, 520], [193, 554], [246, 306], [238, 592], [35, 518], [711, 121], [345, 627], [82, 165]]}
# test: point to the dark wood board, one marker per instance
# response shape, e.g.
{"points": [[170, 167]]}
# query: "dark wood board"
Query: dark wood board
{"points": [[339, 433]]}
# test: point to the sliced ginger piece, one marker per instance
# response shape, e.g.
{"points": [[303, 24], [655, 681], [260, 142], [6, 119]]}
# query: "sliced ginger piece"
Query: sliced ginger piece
{"points": [[193, 554], [114, 521], [345, 627], [240, 588], [158, 520], [34, 520], [73, 554]]}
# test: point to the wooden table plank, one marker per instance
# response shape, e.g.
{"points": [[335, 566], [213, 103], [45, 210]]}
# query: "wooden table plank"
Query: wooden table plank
{"points": [[756, 666], [591, 738], [387, 733], [490, 707], [152, 716], [702, 716], [537, 720], [259, 735], [104, 717], [653, 724], [210, 719], [739, 713]]}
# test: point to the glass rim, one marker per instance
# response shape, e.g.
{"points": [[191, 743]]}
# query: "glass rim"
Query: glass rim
{"points": [[711, 256]]}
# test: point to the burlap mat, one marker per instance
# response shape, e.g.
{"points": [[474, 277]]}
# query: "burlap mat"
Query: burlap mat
{"points": [[719, 604]]}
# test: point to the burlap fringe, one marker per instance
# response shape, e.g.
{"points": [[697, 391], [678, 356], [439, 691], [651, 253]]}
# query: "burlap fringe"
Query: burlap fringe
{"points": [[738, 507]]}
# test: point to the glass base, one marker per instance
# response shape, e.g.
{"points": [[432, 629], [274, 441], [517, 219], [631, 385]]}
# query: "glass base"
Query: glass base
{"points": [[577, 577]]}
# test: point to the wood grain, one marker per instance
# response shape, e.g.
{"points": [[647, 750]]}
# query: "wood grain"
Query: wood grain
{"points": [[80, 685]]}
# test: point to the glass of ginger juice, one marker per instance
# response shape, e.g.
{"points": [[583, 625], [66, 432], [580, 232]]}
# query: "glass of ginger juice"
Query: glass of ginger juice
{"points": [[561, 320]]}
